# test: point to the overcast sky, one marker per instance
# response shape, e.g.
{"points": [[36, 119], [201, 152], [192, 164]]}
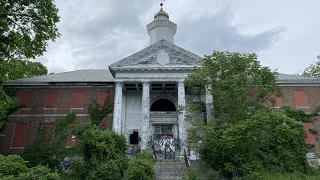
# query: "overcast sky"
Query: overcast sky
{"points": [[95, 33]]}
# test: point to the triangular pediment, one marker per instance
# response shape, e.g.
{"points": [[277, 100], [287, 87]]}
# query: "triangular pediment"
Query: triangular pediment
{"points": [[162, 54]]}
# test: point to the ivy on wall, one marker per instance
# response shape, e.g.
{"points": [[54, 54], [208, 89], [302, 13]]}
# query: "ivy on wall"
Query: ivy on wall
{"points": [[300, 115], [98, 112], [50, 146]]}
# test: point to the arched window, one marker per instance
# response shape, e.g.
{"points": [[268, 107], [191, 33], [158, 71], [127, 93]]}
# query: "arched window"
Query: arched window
{"points": [[163, 105]]}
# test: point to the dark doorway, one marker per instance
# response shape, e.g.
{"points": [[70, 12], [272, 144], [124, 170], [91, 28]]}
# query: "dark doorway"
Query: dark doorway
{"points": [[163, 105], [134, 138]]}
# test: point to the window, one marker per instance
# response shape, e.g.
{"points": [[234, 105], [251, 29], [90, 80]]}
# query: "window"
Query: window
{"points": [[301, 98], [48, 129], [277, 100], [77, 100], [26, 99], [102, 96], [310, 137], [163, 129], [51, 100], [134, 138], [19, 135]]}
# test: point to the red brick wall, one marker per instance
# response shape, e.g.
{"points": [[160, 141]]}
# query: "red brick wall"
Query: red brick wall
{"points": [[37, 113], [313, 100], [312, 93]]}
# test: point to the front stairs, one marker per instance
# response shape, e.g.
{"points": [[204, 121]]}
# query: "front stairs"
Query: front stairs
{"points": [[170, 169]]}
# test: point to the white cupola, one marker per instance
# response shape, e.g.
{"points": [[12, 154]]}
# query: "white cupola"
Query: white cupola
{"points": [[161, 27]]}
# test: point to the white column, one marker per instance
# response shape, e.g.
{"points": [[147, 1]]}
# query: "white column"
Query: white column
{"points": [[145, 115], [209, 103], [116, 126], [181, 122]]}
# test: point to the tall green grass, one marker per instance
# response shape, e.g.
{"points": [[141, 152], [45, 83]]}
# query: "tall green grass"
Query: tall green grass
{"points": [[285, 176]]}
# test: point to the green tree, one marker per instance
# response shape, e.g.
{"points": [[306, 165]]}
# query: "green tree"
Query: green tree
{"points": [[313, 70], [103, 154], [245, 136], [267, 140], [25, 29], [238, 83], [13, 167]]}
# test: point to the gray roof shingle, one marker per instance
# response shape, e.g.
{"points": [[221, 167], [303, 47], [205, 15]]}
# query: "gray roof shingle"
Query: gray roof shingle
{"points": [[296, 79], [85, 75]]}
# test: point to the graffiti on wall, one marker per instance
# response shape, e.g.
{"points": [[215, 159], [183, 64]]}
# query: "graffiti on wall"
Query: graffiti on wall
{"points": [[65, 164], [164, 145]]}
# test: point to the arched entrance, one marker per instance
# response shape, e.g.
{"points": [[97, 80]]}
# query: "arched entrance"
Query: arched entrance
{"points": [[163, 105], [163, 116]]}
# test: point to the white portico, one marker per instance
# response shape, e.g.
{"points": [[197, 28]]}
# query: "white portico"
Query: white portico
{"points": [[149, 89]]}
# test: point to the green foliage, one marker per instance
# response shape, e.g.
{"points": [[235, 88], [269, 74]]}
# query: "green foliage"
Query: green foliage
{"points": [[103, 154], [190, 174], [13, 167], [313, 70], [97, 113], [300, 115], [49, 148], [267, 140], [141, 168], [26, 26], [17, 69], [238, 82], [283, 176], [313, 130]]}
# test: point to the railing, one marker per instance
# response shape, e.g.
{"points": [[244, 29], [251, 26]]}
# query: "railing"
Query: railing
{"points": [[186, 159], [154, 153]]}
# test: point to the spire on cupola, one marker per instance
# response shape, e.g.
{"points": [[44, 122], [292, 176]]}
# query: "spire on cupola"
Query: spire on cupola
{"points": [[161, 27]]}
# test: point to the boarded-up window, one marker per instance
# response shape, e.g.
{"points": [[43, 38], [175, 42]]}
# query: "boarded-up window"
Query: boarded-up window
{"points": [[19, 135], [51, 100], [77, 100], [277, 100], [48, 130], [310, 137], [102, 96], [25, 99], [301, 98]]}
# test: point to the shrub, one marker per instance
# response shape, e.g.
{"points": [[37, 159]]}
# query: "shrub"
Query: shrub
{"points": [[13, 167], [103, 154], [267, 140], [190, 174], [141, 168]]}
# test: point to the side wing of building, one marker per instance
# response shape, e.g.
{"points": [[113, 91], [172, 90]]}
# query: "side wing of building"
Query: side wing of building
{"points": [[48, 98]]}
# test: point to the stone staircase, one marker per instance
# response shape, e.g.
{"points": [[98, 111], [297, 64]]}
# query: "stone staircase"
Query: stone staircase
{"points": [[169, 169]]}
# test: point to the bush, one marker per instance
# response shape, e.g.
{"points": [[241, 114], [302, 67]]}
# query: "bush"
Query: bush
{"points": [[282, 176], [267, 140], [103, 154], [190, 174], [141, 168], [13, 167]]}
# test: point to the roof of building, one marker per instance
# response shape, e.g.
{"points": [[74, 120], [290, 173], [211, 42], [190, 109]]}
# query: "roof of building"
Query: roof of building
{"points": [[104, 75], [85, 75], [296, 79]]}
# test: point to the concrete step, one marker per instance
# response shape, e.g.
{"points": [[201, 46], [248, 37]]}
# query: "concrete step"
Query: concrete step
{"points": [[169, 169]]}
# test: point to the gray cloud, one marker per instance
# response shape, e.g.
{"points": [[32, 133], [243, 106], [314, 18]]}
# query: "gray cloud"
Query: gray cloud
{"points": [[98, 33], [216, 32]]}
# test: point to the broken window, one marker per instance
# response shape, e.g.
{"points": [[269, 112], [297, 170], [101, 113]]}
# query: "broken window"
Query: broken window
{"points": [[134, 138]]}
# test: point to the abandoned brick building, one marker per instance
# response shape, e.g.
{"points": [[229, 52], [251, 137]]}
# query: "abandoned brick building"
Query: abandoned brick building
{"points": [[146, 88]]}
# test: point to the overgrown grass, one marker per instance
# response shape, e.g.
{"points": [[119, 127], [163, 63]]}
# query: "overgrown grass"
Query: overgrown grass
{"points": [[285, 176]]}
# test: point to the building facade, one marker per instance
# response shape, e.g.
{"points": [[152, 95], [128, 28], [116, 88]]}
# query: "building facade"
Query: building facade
{"points": [[147, 89]]}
